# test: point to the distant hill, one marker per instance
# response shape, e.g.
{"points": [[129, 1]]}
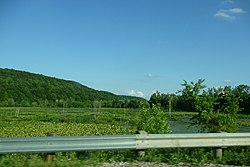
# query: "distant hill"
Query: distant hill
{"points": [[20, 88]]}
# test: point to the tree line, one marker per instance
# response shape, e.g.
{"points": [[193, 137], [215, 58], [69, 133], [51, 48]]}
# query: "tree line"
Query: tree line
{"points": [[185, 99], [217, 108]]}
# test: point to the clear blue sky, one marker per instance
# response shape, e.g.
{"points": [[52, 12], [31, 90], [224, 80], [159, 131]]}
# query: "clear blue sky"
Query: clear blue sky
{"points": [[129, 46]]}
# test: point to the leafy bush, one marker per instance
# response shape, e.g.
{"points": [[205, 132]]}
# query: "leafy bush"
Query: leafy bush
{"points": [[154, 121]]}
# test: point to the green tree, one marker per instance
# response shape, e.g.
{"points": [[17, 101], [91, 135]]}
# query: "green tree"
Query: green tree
{"points": [[155, 98], [217, 110], [163, 100], [243, 93], [189, 93]]}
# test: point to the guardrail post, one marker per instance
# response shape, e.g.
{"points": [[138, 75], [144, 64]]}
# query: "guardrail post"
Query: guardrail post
{"points": [[51, 156], [219, 150], [218, 153], [141, 152]]}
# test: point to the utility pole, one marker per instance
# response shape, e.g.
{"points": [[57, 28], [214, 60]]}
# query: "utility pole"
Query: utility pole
{"points": [[169, 105]]}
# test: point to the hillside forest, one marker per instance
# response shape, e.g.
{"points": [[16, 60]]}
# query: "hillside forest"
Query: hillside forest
{"points": [[24, 89]]}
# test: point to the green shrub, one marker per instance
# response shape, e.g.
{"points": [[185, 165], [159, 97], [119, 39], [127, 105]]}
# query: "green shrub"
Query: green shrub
{"points": [[154, 121]]}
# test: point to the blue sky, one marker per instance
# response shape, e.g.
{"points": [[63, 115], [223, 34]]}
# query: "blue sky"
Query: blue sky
{"points": [[129, 46]]}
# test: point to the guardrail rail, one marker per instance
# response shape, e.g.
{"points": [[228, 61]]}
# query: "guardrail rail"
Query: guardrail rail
{"points": [[138, 141]]}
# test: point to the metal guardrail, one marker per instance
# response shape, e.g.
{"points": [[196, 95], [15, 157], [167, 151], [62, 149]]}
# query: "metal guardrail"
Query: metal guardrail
{"points": [[66, 143], [192, 140], [139, 141]]}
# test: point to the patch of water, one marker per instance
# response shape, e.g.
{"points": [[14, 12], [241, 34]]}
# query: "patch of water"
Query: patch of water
{"points": [[182, 125]]}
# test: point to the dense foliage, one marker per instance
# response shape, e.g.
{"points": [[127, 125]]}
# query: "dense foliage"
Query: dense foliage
{"points": [[217, 111], [185, 99], [18, 88], [217, 108]]}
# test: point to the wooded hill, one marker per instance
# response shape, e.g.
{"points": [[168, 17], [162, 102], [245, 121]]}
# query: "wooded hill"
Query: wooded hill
{"points": [[20, 88]]}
